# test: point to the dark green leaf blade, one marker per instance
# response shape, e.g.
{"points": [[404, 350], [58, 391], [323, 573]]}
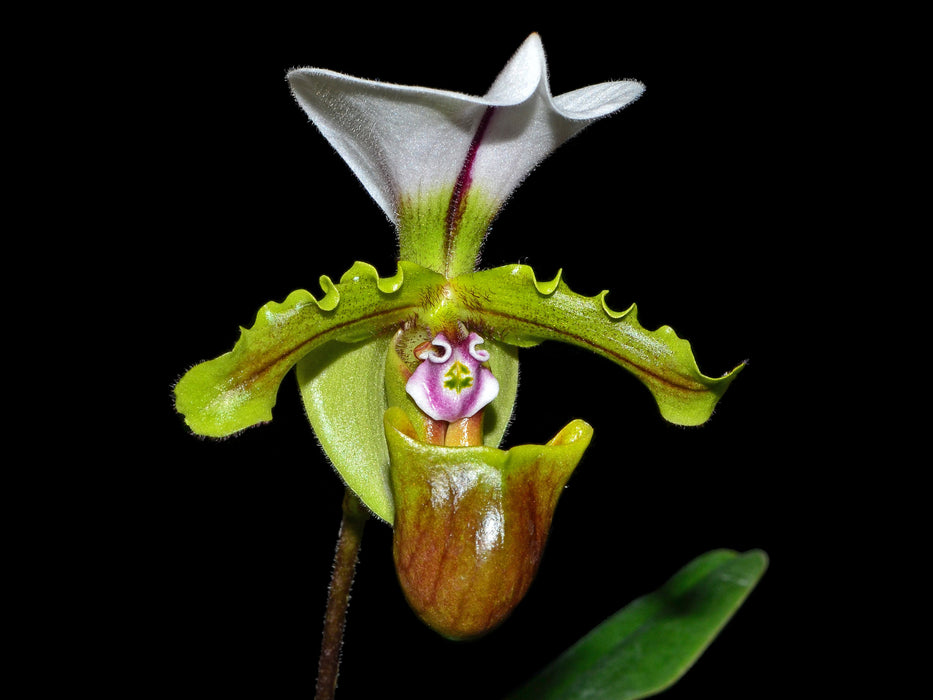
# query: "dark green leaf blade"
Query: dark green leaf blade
{"points": [[648, 645]]}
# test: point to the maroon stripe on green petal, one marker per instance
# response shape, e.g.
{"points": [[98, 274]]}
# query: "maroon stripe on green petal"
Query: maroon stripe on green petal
{"points": [[562, 334], [238, 389], [278, 357]]}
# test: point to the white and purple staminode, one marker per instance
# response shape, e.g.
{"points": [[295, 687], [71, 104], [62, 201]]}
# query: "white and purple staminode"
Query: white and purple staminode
{"points": [[451, 382]]}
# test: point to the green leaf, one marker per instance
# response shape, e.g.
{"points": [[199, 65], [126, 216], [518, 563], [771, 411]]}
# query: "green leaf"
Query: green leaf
{"points": [[522, 311], [238, 389], [648, 645]]}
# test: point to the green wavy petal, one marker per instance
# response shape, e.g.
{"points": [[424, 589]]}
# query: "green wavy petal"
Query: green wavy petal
{"points": [[524, 312], [238, 389]]}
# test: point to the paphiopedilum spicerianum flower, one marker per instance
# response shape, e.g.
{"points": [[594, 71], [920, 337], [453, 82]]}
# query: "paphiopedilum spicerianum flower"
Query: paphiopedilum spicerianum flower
{"points": [[410, 380]]}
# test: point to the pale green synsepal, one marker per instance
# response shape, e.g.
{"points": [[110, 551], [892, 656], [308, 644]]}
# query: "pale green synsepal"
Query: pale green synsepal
{"points": [[342, 388], [238, 389], [525, 312], [503, 361]]}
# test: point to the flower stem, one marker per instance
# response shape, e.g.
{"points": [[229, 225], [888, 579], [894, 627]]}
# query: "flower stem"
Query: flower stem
{"points": [[349, 539]]}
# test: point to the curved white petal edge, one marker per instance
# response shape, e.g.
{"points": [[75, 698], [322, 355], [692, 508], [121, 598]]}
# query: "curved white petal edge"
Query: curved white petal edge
{"points": [[404, 141]]}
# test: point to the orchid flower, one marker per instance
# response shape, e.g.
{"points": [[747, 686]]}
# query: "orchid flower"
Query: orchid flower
{"points": [[410, 380]]}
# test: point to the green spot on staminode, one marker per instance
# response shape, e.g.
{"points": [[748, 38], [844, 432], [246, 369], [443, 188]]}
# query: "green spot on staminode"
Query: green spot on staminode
{"points": [[458, 377]]}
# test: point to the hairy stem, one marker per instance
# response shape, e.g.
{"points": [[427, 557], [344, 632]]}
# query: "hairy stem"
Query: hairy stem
{"points": [[349, 539]]}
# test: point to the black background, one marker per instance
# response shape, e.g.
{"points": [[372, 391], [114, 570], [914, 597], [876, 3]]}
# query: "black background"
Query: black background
{"points": [[687, 202]]}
